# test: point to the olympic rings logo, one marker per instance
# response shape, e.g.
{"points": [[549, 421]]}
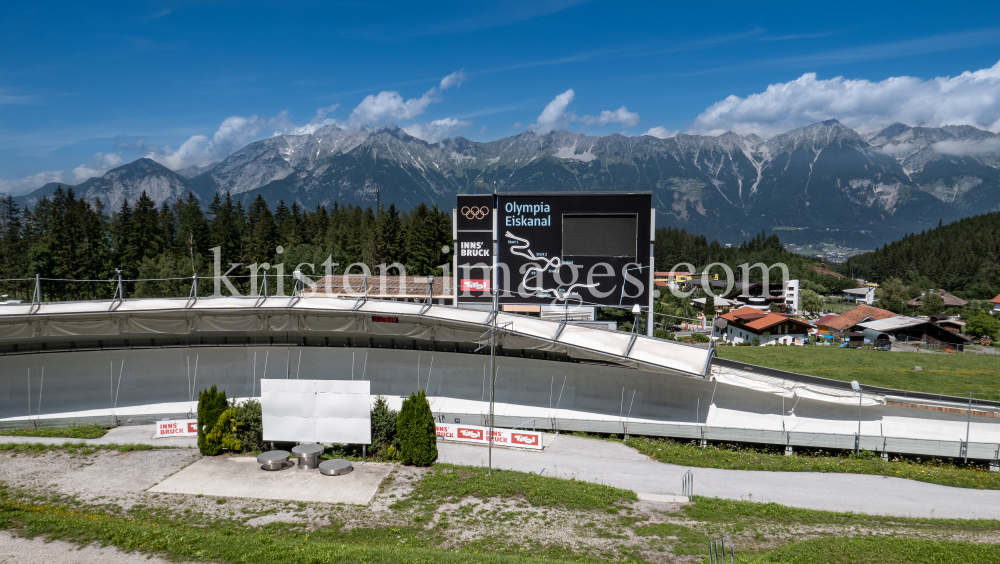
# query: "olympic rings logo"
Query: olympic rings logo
{"points": [[475, 212]]}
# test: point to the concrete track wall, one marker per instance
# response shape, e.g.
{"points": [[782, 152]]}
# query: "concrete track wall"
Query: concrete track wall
{"points": [[86, 380]]}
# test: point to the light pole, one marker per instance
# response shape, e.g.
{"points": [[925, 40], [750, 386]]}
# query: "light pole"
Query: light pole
{"points": [[857, 388]]}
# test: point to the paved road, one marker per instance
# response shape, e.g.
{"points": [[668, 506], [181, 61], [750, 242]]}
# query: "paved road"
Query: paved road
{"points": [[617, 465], [132, 434]]}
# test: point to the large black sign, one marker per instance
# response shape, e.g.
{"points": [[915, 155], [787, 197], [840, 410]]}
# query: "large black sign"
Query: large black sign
{"points": [[584, 249]]}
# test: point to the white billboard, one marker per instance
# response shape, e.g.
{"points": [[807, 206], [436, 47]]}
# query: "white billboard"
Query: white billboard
{"points": [[318, 411]]}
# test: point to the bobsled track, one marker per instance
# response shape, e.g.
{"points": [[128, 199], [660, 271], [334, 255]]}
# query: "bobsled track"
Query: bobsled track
{"points": [[138, 360]]}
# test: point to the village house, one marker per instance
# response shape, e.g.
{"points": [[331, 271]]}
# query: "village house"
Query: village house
{"points": [[865, 294], [847, 321], [950, 301], [747, 324]]}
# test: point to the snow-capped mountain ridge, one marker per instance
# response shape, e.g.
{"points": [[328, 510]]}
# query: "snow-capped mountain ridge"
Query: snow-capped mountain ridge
{"points": [[808, 183]]}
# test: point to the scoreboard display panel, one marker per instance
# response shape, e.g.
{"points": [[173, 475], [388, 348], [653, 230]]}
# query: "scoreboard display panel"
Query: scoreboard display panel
{"points": [[556, 248]]}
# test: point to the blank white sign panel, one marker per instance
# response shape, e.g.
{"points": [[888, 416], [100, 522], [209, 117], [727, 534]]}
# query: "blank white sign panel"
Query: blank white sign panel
{"points": [[318, 411]]}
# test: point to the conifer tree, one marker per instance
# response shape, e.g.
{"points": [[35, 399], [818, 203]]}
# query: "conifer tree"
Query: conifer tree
{"points": [[416, 431]]}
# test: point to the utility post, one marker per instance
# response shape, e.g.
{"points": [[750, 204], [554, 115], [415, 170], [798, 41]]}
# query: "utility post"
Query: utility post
{"points": [[857, 442], [493, 330]]}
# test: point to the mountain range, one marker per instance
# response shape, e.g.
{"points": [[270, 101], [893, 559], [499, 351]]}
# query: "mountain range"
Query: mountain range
{"points": [[823, 183]]}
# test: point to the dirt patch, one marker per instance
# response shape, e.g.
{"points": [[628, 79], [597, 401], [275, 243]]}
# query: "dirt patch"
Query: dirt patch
{"points": [[822, 268]]}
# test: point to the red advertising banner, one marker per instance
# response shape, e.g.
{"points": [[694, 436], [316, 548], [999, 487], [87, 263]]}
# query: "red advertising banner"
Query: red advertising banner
{"points": [[474, 285], [176, 428], [480, 435]]}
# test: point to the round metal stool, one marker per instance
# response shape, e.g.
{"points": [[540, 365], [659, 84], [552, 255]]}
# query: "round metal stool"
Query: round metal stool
{"points": [[308, 455], [273, 459], [335, 467]]}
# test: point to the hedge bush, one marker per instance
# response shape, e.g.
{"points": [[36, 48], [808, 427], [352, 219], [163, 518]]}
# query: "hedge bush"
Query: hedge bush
{"points": [[211, 405], [249, 425], [417, 432]]}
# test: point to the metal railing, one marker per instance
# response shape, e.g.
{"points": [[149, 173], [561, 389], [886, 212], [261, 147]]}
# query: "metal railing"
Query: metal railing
{"points": [[717, 550], [687, 485]]}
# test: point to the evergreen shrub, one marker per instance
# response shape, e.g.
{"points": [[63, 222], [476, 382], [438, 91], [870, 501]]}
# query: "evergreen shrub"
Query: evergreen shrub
{"points": [[383, 428], [416, 430], [211, 405]]}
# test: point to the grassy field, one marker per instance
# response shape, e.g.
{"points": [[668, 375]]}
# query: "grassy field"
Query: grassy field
{"points": [[877, 550], [948, 374], [73, 432], [436, 528], [739, 457], [449, 483]]}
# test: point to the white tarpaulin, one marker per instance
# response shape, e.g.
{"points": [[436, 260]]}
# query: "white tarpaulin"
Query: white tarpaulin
{"points": [[789, 388], [318, 411]]}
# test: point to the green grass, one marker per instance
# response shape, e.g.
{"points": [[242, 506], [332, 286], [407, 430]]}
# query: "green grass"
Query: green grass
{"points": [[82, 447], [877, 550], [226, 542], [73, 432], [738, 457], [738, 514], [447, 482], [843, 537], [948, 374]]}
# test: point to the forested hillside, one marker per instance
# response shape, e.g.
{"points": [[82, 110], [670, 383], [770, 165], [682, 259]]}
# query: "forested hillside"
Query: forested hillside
{"points": [[674, 246], [66, 237], [962, 257], [69, 238]]}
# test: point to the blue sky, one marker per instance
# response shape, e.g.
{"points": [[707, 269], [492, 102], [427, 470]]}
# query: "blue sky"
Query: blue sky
{"points": [[86, 86]]}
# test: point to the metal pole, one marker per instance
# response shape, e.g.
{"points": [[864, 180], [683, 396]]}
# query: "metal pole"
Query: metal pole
{"points": [[495, 278], [493, 371], [857, 449], [968, 423]]}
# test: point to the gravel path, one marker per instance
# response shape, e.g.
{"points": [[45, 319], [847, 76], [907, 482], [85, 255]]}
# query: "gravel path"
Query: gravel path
{"points": [[617, 465], [106, 475], [19, 550]]}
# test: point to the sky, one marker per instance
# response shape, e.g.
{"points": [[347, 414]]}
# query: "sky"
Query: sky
{"points": [[85, 87]]}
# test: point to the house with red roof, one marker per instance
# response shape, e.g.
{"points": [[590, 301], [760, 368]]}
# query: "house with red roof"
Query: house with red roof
{"points": [[823, 324], [996, 305], [747, 324]]}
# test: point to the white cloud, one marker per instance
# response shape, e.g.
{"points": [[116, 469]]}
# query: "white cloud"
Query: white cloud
{"points": [[621, 115], [235, 132], [557, 115], [453, 80], [968, 147], [971, 98], [389, 108], [661, 132], [26, 184], [96, 166], [436, 130]]}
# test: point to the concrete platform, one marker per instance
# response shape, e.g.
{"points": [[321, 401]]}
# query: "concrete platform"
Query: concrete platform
{"points": [[242, 477], [662, 498]]}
